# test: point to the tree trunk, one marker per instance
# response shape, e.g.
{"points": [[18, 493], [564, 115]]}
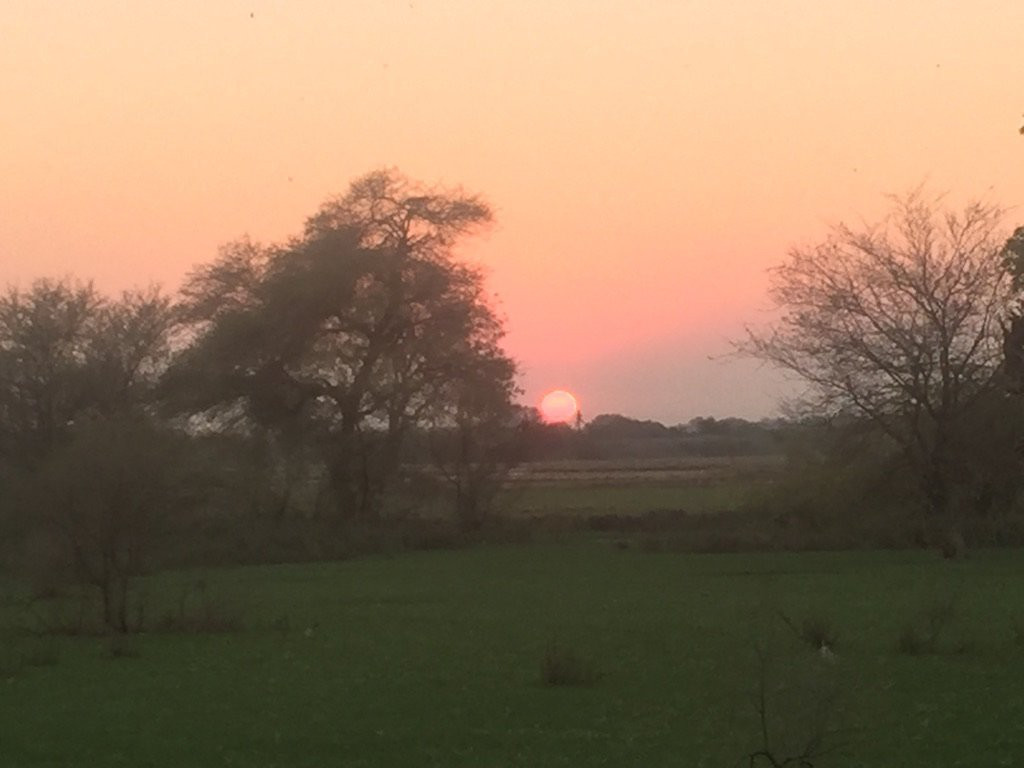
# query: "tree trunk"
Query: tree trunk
{"points": [[342, 479], [942, 523]]}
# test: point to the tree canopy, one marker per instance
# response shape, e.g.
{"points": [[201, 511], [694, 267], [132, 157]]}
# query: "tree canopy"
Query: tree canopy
{"points": [[67, 352], [351, 334]]}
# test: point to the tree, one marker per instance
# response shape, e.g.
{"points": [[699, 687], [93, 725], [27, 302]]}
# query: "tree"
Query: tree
{"points": [[129, 350], [476, 438], [1013, 332], [900, 324], [349, 335], [68, 357], [65, 350], [615, 426], [45, 335], [108, 497]]}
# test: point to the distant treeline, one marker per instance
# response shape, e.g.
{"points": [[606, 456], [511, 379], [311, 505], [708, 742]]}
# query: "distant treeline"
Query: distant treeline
{"points": [[612, 436]]}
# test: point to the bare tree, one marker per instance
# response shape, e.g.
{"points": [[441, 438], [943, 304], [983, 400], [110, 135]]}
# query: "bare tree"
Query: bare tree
{"points": [[46, 334], [108, 498], [66, 350], [899, 323], [129, 349]]}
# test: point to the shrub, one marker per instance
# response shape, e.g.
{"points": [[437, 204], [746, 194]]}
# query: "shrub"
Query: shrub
{"points": [[926, 634], [561, 665], [122, 646], [818, 632], [107, 498], [815, 630]]}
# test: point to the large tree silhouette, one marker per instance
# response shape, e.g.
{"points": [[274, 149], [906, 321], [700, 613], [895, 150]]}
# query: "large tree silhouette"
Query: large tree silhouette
{"points": [[351, 334]]}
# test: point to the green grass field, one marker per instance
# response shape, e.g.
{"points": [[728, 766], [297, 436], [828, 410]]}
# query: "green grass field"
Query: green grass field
{"points": [[625, 499], [433, 659], [635, 487]]}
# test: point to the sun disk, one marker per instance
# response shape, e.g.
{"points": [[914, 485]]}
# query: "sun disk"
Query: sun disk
{"points": [[559, 407]]}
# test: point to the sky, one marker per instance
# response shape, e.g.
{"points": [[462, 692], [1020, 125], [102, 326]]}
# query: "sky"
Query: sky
{"points": [[648, 160]]}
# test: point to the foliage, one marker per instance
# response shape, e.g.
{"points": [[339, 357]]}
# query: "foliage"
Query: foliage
{"points": [[44, 342], [475, 445], [108, 498], [349, 336], [66, 352], [614, 425], [816, 630], [899, 323], [121, 646], [929, 631]]}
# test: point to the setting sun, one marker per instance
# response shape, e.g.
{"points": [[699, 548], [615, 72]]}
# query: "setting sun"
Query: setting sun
{"points": [[559, 406]]}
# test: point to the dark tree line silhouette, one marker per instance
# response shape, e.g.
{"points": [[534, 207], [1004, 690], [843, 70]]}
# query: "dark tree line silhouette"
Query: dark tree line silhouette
{"points": [[336, 360], [294, 397]]}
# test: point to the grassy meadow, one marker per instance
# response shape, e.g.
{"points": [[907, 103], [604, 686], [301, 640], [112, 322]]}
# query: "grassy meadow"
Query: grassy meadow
{"points": [[634, 487], [436, 659]]}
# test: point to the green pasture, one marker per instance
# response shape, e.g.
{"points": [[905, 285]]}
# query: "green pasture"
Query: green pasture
{"points": [[433, 659], [585, 488], [626, 499]]}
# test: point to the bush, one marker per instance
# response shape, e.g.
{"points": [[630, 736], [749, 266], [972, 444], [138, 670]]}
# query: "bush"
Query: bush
{"points": [[926, 635], [107, 497], [121, 646], [818, 631], [561, 665]]}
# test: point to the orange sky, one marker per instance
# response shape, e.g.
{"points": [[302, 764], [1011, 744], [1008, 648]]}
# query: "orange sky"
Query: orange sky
{"points": [[648, 159]]}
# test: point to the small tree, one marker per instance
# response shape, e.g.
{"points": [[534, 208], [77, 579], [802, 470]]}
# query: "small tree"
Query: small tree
{"points": [[108, 496], [475, 441], [68, 356], [899, 323], [67, 351], [45, 340]]}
